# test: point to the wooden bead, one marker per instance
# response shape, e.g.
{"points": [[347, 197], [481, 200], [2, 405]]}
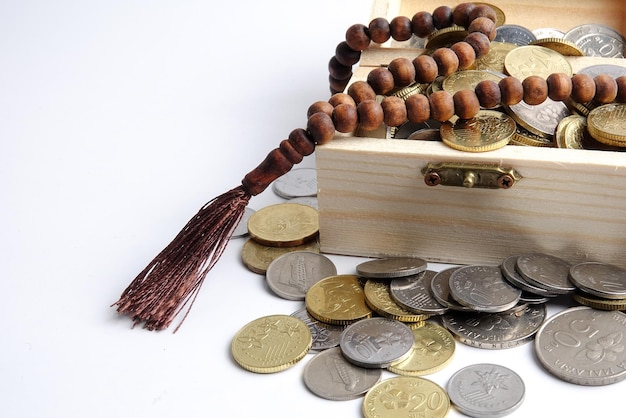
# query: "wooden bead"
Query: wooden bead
{"points": [[346, 55], [337, 86], [461, 13], [360, 90], [482, 10], [426, 69], [441, 105], [480, 42], [381, 80], [535, 90], [488, 94], [621, 89], [403, 71], [606, 89], [483, 25], [417, 108], [466, 104], [301, 141], [321, 127], [400, 28], [465, 53], [442, 17], [320, 106], [394, 111], [559, 86], [370, 114], [379, 30], [447, 61], [583, 88], [511, 90], [341, 98], [357, 37], [290, 152], [422, 24], [272, 167], [338, 70], [345, 118]]}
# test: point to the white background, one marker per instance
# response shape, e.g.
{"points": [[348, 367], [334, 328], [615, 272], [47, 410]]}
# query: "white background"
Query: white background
{"points": [[118, 120]]}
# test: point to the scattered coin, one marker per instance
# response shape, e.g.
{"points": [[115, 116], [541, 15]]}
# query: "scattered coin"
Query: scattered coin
{"points": [[528, 60], [599, 279], [391, 267], [284, 225], [440, 286], [292, 274], [299, 182], [257, 257], [514, 34], [378, 298], [543, 33], [546, 271], [614, 71], [483, 288], [414, 293], [510, 273], [570, 132], [324, 335], [494, 59], [599, 303], [487, 131], [337, 300], [430, 134], [560, 45], [607, 124], [468, 80], [541, 119], [597, 40]]}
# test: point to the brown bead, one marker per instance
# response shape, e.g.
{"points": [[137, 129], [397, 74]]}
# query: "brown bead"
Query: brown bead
{"points": [[442, 17], [621, 89], [321, 128], [379, 30], [302, 141], [357, 37], [511, 90], [559, 86], [272, 167], [426, 69], [461, 13], [441, 105], [381, 80], [482, 10], [360, 90], [606, 89], [370, 114], [345, 118], [480, 42], [400, 28], [535, 90], [320, 106], [337, 86], [483, 25], [346, 55], [422, 24], [417, 108], [466, 104], [403, 71], [447, 61], [465, 53], [583, 88], [339, 98], [338, 70], [488, 94], [290, 152], [394, 111]]}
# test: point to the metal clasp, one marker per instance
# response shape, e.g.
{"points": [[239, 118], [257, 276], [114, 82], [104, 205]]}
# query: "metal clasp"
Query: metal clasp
{"points": [[489, 176]]}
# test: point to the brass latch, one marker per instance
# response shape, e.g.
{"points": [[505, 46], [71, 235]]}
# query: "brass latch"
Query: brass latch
{"points": [[490, 176]]}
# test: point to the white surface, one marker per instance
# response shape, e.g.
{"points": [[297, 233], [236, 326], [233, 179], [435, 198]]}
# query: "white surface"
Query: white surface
{"points": [[118, 120]]}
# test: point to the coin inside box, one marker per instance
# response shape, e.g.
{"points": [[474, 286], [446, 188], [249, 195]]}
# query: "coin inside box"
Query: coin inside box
{"points": [[375, 198]]}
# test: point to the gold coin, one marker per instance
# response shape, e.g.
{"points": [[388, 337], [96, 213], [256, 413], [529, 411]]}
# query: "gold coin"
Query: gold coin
{"points": [[494, 59], [528, 60], [405, 92], [467, 80], [433, 350], [406, 397], [446, 37], [570, 132], [599, 303], [560, 45], [337, 300], [487, 131], [607, 124], [257, 257], [284, 225], [378, 298], [271, 343], [525, 137], [500, 15]]}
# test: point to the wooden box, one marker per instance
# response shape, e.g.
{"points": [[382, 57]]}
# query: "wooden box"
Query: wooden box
{"points": [[374, 201]]}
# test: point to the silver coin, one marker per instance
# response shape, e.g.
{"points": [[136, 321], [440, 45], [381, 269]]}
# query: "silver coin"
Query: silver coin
{"points": [[306, 200], [614, 71], [299, 182], [430, 134], [440, 287], [486, 390], [495, 331], [292, 274], [407, 129], [414, 294], [510, 273], [376, 342], [391, 267], [541, 119], [584, 346], [514, 34], [597, 40], [546, 271], [330, 376], [325, 335], [241, 230], [544, 33], [532, 299], [599, 279], [483, 288]]}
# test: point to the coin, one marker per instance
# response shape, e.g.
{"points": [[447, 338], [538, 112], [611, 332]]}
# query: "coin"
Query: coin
{"points": [[541, 119], [299, 182], [614, 71], [487, 131], [378, 298], [528, 60], [570, 132], [494, 59], [391, 267], [432, 350], [486, 390], [500, 15], [324, 335], [405, 130], [514, 34], [599, 303], [330, 376], [483, 288], [430, 134], [414, 293], [410, 90], [599, 279], [445, 37], [546, 271], [440, 286], [241, 229], [584, 346], [284, 225], [406, 397], [607, 124], [271, 343], [376, 342], [257, 257], [543, 33], [337, 300], [468, 80], [510, 273], [523, 136], [560, 45], [293, 273], [597, 40]]}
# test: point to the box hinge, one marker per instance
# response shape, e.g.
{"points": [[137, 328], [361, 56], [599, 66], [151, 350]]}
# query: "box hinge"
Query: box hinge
{"points": [[489, 176]]}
